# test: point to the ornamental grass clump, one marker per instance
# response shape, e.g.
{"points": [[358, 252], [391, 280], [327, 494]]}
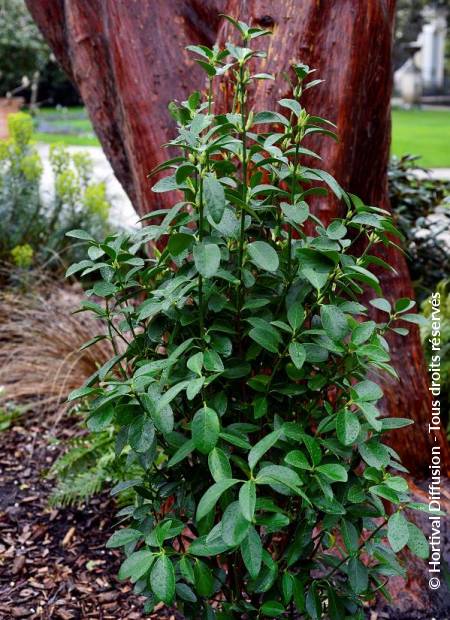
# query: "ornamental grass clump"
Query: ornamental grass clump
{"points": [[241, 387]]}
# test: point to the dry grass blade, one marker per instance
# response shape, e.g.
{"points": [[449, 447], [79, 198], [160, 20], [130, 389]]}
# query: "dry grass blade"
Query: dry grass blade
{"points": [[40, 360]]}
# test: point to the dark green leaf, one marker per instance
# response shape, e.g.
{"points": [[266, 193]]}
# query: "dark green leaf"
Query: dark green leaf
{"points": [[350, 536], [297, 354], [367, 391], [80, 234], [205, 429], [204, 582], [393, 423], [295, 458], [334, 472], [272, 609], [334, 322], [212, 495], [234, 525], [363, 332], [398, 531], [381, 304], [357, 575], [184, 451], [219, 465], [347, 427], [136, 565], [185, 593], [267, 337], [263, 255], [315, 267], [374, 453], [297, 213], [123, 537], [207, 259], [251, 550], [296, 316], [247, 499], [214, 197], [417, 542], [162, 579], [179, 243], [259, 449], [101, 418], [141, 434]]}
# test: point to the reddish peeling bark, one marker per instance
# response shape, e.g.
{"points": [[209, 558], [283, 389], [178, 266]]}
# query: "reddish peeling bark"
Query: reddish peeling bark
{"points": [[127, 58]]}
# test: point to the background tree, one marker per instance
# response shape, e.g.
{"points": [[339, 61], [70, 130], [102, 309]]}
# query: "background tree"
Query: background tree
{"points": [[27, 65], [128, 63]]}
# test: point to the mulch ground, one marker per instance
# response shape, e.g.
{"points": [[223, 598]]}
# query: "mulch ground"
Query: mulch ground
{"points": [[53, 563]]}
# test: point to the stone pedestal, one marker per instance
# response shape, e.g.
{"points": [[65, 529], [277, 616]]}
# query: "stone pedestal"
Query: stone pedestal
{"points": [[433, 48], [410, 83]]}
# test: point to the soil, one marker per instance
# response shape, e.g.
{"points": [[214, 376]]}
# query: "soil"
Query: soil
{"points": [[54, 566], [53, 561]]}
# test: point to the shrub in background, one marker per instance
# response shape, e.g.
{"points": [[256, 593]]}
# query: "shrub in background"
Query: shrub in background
{"points": [[422, 213], [23, 51], [241, 388], [26, 59], [33, 228]]}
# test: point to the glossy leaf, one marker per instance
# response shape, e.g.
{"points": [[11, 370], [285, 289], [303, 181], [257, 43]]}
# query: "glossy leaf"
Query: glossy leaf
{"points": [[214, 197], [212, 495], [247, 499], [263, 255], [347, 427], [205, 429], [251, 550], [207, 259], [162, 579], [398, 531]]}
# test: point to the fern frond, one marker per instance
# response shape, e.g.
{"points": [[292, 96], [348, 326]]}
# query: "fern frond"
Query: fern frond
{"points": [[89, 465]]}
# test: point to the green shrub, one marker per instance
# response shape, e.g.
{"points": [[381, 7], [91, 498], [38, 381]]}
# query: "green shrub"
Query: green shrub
{"points": [[422, 214], [23, 50], [25, 58], [242, 391], [22, 256], [412, 196], [33, 231]]}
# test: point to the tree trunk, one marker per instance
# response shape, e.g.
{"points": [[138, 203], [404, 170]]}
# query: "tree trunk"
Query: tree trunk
{"points": [[128, 60]]}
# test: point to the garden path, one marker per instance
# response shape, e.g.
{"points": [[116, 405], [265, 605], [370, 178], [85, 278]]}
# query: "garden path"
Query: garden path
{"points": [[122, 212]]}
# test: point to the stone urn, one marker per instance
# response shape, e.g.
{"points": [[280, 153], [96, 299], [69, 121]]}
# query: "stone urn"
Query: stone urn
{"points": [[411, 86], [8, 105]]}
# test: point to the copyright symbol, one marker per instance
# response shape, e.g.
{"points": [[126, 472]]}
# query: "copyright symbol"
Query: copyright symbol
{"points": [[434, 583]]}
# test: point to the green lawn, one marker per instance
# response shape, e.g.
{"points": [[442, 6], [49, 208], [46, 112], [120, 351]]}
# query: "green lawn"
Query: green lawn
{"points": [[422, 132], [68, 126], [66, 139]]}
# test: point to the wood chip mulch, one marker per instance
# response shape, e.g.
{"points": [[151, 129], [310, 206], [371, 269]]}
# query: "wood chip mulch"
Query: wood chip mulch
{"points": [[53, 563]]}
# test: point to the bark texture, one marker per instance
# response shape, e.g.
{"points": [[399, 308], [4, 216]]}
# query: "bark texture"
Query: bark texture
{"points": [[127, 58]]}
